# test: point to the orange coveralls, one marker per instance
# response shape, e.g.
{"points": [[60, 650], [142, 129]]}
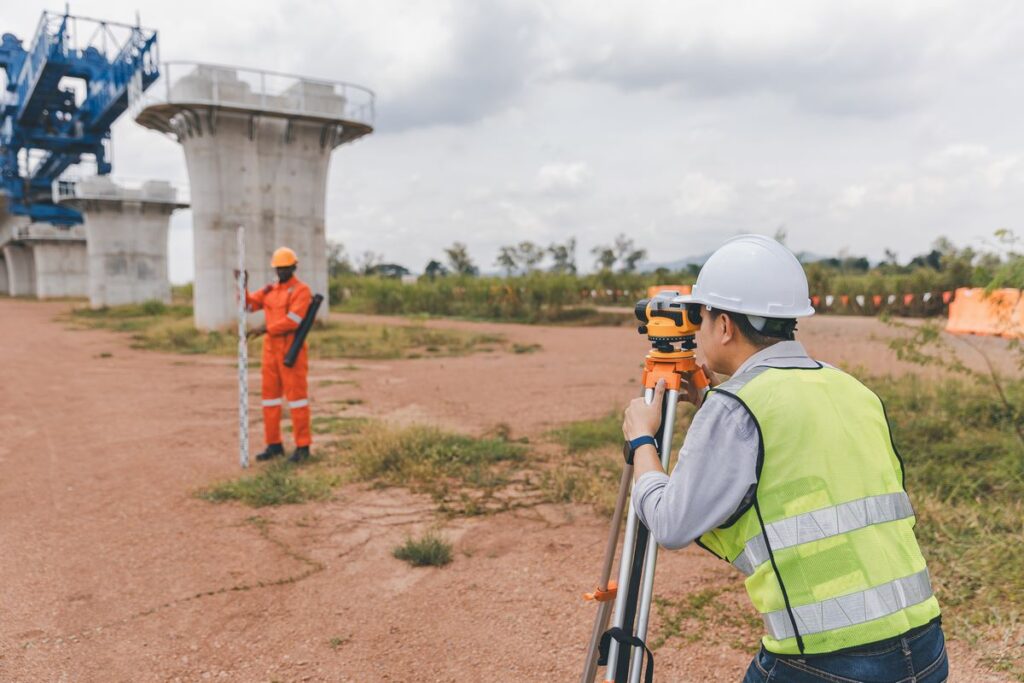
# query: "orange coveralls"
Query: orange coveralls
{"points": [[284, 304]]}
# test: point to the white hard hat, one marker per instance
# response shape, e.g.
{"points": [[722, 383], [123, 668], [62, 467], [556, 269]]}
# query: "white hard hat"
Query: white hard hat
{"points": [[756, 275]]}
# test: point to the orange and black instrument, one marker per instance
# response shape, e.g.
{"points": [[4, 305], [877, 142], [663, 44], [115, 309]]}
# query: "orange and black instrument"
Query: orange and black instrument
{"points": [[670, 326]]}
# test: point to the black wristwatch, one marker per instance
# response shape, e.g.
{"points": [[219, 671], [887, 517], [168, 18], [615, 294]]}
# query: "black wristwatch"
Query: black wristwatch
{"points": [[629, 447]]}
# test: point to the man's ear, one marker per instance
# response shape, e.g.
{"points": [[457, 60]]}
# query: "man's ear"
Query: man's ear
{"points": [[728, 328]]}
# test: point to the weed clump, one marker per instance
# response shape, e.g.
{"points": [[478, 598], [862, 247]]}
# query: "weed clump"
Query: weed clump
{"points": [[589, 435], [426, 459], [430, 550], [280, 483]]}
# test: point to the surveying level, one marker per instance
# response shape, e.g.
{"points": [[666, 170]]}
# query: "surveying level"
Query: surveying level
{"points": [[670, 326]]}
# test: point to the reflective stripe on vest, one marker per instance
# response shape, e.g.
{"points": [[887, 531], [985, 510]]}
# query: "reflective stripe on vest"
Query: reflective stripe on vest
{"points": [[850, 610], [823, 523], [295, 318]]}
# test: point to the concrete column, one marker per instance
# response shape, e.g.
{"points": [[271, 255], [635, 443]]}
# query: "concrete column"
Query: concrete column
{"points": [[21, 269], [60, 268], [258, 156], [126, 240], [274, 187]]}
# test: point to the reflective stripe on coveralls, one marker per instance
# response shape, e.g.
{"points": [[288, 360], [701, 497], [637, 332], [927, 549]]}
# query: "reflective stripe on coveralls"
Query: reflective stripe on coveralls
{"points": [[284, 304]]}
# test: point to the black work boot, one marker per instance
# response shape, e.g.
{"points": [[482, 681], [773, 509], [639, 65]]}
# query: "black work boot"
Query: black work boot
{"points": [[301, 453], [273, 450]]}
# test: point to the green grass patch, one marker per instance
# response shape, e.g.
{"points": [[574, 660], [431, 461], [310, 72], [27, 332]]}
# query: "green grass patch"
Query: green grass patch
{"points": [[592, 479], [462, 473], [525, 348], [159, 327], [332, 382], [965, 474], [589, 435], [280, 483], [592, 468], [338, 424], [430, 550], [337, 641]]}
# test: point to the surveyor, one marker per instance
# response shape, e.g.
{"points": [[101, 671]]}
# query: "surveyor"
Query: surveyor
{"points": [[789, 472], [284, 304]]}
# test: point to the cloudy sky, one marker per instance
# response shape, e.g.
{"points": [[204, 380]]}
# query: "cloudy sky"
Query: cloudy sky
{"points": [[858, 126]]}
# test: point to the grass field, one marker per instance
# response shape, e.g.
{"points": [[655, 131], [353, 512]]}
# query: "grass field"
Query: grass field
{"points": [[169, 328]]}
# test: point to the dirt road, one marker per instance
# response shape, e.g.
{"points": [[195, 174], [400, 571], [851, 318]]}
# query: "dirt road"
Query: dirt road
{"points": [[113, 571]]}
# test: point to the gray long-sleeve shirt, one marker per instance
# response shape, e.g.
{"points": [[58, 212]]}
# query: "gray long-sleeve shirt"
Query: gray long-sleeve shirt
{"points": [[717, 464]]}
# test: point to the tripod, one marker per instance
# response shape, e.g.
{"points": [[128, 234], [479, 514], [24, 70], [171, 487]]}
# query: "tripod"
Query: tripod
{"points": [[622, 647]]}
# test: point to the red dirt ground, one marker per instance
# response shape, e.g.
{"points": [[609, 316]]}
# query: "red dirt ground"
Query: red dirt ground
{"points": [[113, 571]]}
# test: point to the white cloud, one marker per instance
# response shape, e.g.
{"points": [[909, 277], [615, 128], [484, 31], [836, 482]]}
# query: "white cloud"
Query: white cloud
{"points": [[852, 197], [866, 124], [561, 178], [777, 189], [700, 195]]}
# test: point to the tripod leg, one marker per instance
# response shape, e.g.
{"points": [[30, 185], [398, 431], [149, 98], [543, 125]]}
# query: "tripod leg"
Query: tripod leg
{"points": [[604, 608], [634, 549], [622, 592], [647, 593]]}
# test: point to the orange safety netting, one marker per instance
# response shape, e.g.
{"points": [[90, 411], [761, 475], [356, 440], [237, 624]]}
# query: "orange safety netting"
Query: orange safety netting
{"points": [[1000, 313]]}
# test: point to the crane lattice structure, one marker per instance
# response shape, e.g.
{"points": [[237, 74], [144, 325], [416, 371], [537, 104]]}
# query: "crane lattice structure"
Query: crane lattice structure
{"points": [[59, 101]]}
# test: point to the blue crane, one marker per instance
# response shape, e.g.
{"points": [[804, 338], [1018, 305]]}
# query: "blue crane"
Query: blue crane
{"points": [[60, 98]]}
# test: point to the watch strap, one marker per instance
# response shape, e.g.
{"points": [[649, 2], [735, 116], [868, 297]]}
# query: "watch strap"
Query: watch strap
{"points": [[630, 446]]}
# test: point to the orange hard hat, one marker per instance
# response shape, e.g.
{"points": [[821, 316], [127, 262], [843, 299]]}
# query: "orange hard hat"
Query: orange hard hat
{"points": [[283, 257]]}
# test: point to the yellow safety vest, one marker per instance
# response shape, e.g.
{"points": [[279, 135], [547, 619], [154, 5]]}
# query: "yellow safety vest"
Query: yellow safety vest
{"points": [[826, 538]]}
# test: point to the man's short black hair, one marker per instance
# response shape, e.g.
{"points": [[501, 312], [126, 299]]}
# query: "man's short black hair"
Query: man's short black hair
{"points": [[774, 330]]}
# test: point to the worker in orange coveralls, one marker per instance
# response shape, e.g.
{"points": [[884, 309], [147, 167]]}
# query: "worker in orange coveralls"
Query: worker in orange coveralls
{"points": [[284, 305]]}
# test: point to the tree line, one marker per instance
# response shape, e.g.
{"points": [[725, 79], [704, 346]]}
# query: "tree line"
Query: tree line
{"points": [[523, 258]]}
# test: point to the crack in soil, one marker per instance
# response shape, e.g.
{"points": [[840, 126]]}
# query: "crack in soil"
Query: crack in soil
{"points": [[261, 525]]}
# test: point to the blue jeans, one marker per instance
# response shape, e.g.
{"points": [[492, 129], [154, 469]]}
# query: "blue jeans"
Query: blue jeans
{"points": [[918, 656]]}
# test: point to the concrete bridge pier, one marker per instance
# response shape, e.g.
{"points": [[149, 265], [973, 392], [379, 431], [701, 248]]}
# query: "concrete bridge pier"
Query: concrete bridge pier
{"points": [[258, 147], [60, 266], [39, 259], [126, 238], [21, 270]]}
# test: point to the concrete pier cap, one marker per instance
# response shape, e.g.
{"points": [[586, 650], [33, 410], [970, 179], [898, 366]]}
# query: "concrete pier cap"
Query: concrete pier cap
{"points": [[126, 225], [258, 146]]}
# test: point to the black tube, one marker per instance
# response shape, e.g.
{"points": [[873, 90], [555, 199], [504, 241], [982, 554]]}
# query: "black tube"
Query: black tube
{"points": [[303, 331]]}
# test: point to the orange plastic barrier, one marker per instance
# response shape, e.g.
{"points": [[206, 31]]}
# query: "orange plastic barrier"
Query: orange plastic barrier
{"points": [[999, 313], [654, 289]]}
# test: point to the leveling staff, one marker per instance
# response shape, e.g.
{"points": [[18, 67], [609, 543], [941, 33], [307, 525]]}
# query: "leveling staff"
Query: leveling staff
{"points": [[284, 304], [789, 472]]}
